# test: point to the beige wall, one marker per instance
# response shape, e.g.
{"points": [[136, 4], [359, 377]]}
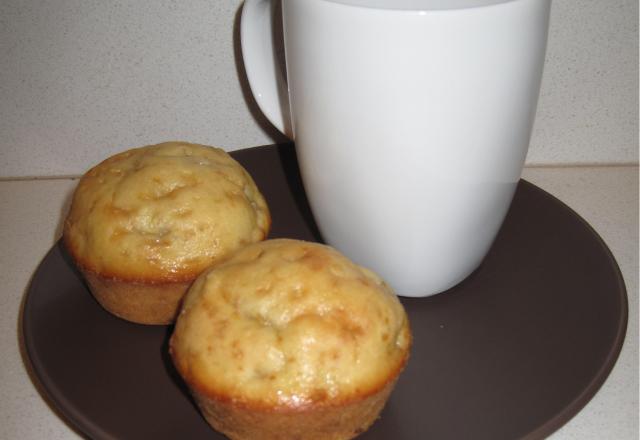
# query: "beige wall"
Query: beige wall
{"points": [[82, 79]]}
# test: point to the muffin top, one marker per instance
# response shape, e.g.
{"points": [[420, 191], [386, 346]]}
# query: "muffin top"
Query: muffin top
{"points": [[289, 324], [163, 213]]}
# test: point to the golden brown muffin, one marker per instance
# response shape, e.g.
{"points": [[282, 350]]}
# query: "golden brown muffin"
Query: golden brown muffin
{"points": [[290, 340], [145, 223]]}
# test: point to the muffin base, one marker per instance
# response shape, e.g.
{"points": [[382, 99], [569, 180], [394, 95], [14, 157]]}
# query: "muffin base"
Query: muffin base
{"points": [[138, 302], [321, 422]]}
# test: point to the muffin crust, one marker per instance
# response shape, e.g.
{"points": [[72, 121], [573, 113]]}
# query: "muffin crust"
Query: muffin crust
{"points": [[290, 333], [163, 213], [145, 223]]}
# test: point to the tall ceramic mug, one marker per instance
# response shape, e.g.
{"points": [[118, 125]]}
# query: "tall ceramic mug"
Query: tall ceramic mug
{"points": [[411, 119]]}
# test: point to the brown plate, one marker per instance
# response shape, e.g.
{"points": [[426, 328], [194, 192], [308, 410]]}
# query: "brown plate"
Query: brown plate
{"points": [[514, 351]]}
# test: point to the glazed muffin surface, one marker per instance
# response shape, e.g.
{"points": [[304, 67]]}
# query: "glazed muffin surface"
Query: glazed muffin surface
{"points": [[285, 325], [163, 213]]}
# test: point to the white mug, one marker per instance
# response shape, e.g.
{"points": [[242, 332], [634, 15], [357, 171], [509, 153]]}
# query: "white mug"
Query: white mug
{"points": [[411, 120]]}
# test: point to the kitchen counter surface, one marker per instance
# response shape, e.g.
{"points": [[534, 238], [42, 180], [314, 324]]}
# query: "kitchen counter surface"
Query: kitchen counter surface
{"points": [[31, 213]]}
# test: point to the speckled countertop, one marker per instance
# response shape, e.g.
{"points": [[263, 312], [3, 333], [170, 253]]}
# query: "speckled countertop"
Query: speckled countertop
{"points": [[31, 212]]}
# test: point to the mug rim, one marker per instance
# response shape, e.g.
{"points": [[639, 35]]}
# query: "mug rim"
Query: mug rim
{"points": [[419, 5]]}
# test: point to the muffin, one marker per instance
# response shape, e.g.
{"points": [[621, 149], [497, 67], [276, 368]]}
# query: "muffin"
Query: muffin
{"points": [[145, 223], [290, 340]]}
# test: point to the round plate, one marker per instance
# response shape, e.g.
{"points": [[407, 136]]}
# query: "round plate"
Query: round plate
{"points": [[514, 351]]}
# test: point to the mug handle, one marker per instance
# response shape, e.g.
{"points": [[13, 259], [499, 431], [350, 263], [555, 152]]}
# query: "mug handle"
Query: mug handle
{"points": [[267, 83]]}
